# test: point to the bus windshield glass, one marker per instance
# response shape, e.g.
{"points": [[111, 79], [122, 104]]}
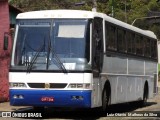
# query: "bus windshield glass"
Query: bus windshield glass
{"points": [[41, 42]]}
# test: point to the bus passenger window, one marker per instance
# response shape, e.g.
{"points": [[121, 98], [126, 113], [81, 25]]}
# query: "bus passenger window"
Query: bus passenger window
{"points": [[111, 43], [121, 40], [139, 45], [147, 47], [154, 49], [130, 42]]}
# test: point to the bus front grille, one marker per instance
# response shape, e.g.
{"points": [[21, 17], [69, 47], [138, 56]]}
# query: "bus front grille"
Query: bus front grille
{"points": [[49, 85]]}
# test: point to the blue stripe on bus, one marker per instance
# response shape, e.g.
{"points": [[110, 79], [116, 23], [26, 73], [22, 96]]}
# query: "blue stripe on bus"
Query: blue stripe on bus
{"points": [[62, 98]]}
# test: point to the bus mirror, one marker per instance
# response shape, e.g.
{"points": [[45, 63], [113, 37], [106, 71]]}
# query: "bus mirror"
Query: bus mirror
{"points": [[5, 43]]}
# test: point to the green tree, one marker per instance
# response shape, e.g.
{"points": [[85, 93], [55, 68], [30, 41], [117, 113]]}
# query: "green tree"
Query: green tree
{"points": [[124, 10]]}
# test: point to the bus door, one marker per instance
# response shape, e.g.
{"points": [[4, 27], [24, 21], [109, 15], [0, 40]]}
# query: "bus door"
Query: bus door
{"points": [[97, 57]]}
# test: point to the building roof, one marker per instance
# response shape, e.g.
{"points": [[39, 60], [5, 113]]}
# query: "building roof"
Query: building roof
{"points": [[13, 12]]}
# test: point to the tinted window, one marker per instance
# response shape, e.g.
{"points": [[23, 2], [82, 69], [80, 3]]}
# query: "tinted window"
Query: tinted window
{"points": [[147, 47], [130, 42], [154, 49], [111, 37], [121, 40], [139, 45]]}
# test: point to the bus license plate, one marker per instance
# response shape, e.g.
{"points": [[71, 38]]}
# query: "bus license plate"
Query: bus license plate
{"points": [[47, 99]]}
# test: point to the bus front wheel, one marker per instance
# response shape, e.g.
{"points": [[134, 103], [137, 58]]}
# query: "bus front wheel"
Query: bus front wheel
{"points": [[105, 100]]}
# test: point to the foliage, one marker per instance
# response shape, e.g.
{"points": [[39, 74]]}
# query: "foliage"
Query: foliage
{"points": [[124, 10]]}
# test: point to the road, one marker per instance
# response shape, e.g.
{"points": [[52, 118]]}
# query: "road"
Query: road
{"points": [[121, 111]]}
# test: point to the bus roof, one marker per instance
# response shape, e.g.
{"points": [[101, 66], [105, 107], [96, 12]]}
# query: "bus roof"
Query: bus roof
{"points": [[58, 14], [80, 14]]}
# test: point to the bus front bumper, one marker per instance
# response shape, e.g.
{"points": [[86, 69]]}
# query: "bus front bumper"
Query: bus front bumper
{"points": [[51, 98]]}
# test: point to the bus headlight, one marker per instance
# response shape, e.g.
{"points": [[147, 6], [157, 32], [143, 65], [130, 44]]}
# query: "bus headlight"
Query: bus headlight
{"points": [[79, 85], [87, 86], [19, 85]]}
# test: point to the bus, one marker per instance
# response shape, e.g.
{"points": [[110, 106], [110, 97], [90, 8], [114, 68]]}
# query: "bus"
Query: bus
{"points": [[158, 57], [80, 59]]}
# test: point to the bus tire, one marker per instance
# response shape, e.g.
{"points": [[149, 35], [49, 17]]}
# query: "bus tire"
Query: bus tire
{"points": [[106, 99], [145, 94]]}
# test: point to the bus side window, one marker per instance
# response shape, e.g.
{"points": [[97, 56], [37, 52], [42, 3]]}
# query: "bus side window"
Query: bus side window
{"points": [[154, 49], [121, 40], [98, 33], [147, 47], [139, 45], [111, 42], [130, 42]]}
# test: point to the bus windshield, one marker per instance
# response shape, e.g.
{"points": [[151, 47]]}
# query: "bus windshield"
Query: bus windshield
{"points": [[40, 42]]}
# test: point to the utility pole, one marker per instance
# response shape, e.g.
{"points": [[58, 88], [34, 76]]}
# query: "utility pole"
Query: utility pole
{"points": [[112, 8], [94, 2], [125, 11]]}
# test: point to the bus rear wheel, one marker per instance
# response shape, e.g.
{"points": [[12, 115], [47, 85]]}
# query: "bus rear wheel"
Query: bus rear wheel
{"points": [[145, 94], [143, 102]]}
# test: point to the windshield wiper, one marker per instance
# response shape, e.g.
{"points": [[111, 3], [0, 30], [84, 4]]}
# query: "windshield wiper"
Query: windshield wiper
{"points": [[59, 61], [29, 68], [50, 49]]}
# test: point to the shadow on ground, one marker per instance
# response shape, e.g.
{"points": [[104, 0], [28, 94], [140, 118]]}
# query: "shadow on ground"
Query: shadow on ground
{"points": [[66, 113]]}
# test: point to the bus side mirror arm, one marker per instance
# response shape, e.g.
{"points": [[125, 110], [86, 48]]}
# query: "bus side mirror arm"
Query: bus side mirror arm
{"points": [[5, 41]]}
